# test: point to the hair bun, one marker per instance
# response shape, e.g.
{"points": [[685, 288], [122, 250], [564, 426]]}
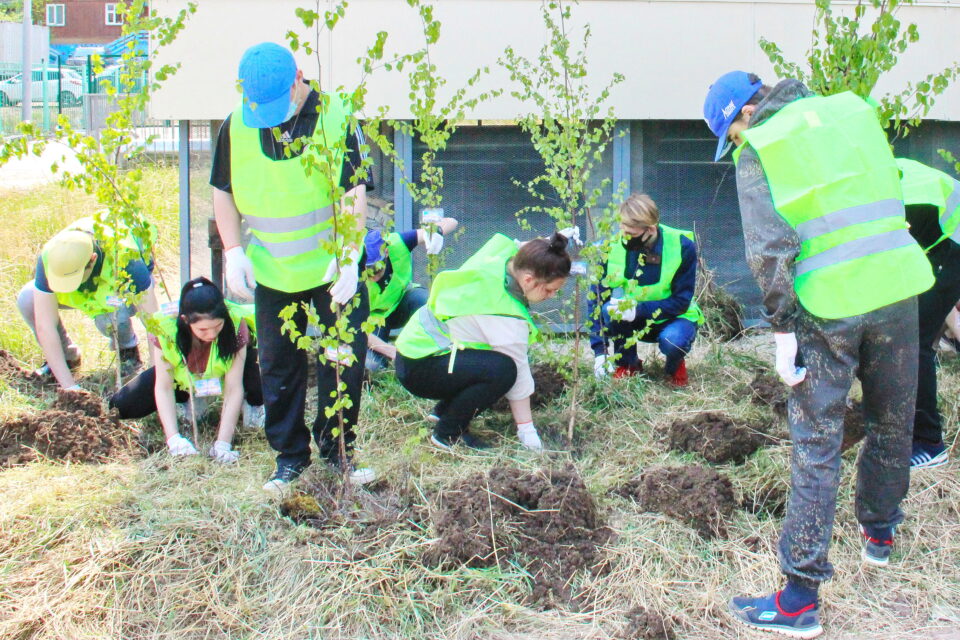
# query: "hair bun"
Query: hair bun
{"points": [[558, 243]]}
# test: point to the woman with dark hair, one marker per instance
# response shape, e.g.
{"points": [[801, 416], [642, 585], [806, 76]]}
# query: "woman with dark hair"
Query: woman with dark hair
{"points": [[468, 346], [209, 348]]}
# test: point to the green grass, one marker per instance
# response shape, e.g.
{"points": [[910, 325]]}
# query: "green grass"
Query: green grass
{"points": [[184, 549]]}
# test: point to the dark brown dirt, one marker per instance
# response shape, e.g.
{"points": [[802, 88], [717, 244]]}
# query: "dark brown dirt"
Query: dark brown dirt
{"points": [[546, 521], [74, 429], [12, 371], [697, 496], [768, 390], [643, 624], [853, 426], [767, 501], [714, 436], [549, 384]]}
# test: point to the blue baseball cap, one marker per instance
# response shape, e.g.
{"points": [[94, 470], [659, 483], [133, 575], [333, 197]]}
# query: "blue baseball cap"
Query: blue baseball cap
{"points": [[725, 99], [267, 71], [374, 244]]}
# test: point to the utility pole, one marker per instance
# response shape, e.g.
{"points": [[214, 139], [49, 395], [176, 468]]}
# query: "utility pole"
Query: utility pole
{"points": [[27, 77]]}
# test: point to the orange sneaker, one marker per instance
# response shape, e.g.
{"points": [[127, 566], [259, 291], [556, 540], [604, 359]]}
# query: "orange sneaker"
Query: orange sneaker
{"points": [[679, 377], [624, 371]]}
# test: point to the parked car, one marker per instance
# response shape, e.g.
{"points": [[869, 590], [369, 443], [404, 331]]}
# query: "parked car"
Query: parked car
{"points": [[65, 84]]}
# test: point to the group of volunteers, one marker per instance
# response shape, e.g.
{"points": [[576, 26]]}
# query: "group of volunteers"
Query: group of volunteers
{"points": [[856, 254]]}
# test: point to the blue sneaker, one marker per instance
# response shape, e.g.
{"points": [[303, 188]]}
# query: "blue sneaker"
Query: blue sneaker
{"points": [[876, 549], [928, 456], [764, 613]]}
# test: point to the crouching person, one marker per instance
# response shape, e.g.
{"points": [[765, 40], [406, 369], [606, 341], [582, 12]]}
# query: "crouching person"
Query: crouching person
{"points": [[646, 289], [208, 346], [467, 347], [74, 272]]}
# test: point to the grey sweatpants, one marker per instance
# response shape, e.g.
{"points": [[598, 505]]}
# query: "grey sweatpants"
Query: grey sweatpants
{"points": [[879, 347], [104, 323]]}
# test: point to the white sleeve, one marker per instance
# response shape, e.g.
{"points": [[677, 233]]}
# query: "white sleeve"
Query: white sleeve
{"points": [[506, 335]]}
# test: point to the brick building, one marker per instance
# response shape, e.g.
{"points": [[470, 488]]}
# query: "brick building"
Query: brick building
{"points": [[83, 21]]}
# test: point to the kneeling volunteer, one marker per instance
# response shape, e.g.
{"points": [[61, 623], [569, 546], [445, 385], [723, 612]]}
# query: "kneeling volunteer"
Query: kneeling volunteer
{"points": [[209, 346], [468, 346]]}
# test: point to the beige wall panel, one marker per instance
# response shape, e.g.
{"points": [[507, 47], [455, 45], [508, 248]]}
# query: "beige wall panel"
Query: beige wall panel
{"points": [[669, 51]]}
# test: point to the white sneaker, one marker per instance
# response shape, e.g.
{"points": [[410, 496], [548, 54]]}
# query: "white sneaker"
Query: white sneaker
{"points": [[253, 416]]}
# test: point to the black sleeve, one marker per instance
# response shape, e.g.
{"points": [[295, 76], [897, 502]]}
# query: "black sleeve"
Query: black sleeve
{"points": [[351, 163], [220, 169]]}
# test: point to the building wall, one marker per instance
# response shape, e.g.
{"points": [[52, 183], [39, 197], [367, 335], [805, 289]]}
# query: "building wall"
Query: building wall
{"points": [[85, 24], [669, 50], [11, 43]]}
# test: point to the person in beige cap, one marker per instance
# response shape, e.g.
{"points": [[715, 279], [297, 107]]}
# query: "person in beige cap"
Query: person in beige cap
{"points": [[73, 272]]}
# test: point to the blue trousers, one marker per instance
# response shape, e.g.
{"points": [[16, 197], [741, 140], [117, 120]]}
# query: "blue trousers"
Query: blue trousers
{"points": [[674, 337]]}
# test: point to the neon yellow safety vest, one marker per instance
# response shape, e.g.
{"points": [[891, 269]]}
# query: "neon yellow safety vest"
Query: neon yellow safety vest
{"points": [[217, 366], [670, 262], [834, 180], [289, 213], [926, 185], [476, 288], [103, 297], [384, 301]]}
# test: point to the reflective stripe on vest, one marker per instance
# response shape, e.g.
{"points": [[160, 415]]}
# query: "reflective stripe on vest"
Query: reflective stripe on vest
{"points": [[289, 212], [926, 185], [833, 179]]}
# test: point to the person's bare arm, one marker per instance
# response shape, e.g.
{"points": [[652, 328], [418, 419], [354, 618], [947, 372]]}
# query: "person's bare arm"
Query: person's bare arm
{"points": [[232, 397], [163, 394], [228, 218], [46, 317]]}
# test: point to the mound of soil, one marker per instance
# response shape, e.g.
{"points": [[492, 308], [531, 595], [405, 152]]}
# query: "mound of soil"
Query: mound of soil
{"points": [[643, 624], [75, 429], [697, 496], [853, 426], [714, 436], [11, 369], [549, 384], [769, 391], [546, 521]]}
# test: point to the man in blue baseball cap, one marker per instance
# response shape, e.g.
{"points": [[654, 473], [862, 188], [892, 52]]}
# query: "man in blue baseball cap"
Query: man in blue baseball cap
{"points": [[257, 173], [394, 296], [827, 241]]}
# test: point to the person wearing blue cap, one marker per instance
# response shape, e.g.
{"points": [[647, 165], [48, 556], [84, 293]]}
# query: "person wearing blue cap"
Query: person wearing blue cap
{"points": [[258, 175], [827, 241], [394, 296]]}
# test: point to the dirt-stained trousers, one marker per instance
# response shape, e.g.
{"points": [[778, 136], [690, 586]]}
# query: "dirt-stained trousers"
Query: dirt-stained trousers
{"points": [[879, 347]]}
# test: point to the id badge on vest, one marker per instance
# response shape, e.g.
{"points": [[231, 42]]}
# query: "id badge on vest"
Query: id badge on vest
{"points": [[208, 387]]}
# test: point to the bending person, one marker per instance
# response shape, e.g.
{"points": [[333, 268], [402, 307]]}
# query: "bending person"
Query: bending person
{"points": [[74, 272], [394, 296], [210, 347], [646, 289], [468, 346]]}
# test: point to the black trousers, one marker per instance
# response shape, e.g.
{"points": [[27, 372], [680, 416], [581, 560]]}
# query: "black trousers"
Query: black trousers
{"points": [[136, 399], [284, 370], [934, 306], [479, 379]]}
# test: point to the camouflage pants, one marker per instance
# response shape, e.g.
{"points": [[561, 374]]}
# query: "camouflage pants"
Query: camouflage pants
{"points": [[879, 347]]}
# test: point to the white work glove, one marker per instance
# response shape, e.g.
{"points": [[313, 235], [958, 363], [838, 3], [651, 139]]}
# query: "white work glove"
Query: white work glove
{"points": [[572, 234], [180, 446], [347, 274], [223, 453], [342, 354], [786, 359], [240, 278], [602, 367], [622, 310], [529, 437], [433, 242]]}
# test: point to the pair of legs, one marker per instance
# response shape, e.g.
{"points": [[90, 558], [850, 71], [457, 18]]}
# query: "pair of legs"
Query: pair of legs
{"points": [[881, 346], [136, 399], [478, 379], [674, 338], [934, 306], [413, 298], [103, 322], [283, 368]]}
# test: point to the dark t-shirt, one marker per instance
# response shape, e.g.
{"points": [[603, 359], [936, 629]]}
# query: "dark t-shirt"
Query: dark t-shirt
{"points": [[139, 275], [300, 125]]}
